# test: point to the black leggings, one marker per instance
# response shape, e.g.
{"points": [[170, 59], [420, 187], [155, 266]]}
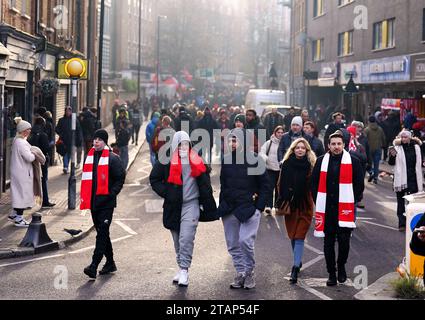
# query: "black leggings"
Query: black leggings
{"points": [[19, 212]]}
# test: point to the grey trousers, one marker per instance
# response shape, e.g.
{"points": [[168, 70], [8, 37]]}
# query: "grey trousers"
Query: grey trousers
{"points": [[240, 239], [184, 240]]}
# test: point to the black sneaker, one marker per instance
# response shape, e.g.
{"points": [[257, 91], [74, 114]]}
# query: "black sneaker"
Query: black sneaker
{"points": [[48, 205], [294, 275], [342, 275], [370, 178], [332, 281], [108, 268], [91, 271]]}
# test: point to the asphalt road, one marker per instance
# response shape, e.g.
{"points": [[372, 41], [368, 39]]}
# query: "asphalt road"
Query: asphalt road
{"points": [[146, 261]]}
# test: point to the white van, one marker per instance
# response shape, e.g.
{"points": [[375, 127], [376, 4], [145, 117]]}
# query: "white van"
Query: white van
{"points": [[258, 99]]}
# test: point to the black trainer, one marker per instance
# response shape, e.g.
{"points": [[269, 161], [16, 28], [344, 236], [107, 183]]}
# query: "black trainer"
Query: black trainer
{"points": [[332, 281], [294, 275], [108, 268], [342, 274], [91, 271]]}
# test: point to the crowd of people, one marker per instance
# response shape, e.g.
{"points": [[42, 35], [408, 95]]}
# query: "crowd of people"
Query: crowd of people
{"points": [[303, 179]]}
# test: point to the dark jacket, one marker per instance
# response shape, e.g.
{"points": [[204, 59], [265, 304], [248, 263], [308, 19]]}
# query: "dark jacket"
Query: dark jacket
{"points": [[238, 189], [317, 146], [182, 118], [332, 188], [392, 128], [375, 137], [39, 138], [286, 142], [209, 124], [116, 182], [123, 137], [271, 121], [255, 125], [88, 125], [173, 196], [333, 127], [64, 130]]}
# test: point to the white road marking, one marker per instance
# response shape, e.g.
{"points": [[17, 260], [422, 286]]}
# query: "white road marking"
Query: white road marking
{"points": [[380, 225], [153, 206], [310, 263], [313, 249], [129, 219], [313, 291], [139, 192], [363, 219], [126, 228], [390, 205], [31, 260], [92, 247]]}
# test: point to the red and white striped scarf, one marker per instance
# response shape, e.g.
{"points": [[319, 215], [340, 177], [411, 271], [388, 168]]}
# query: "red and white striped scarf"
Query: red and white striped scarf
{"points": [[346, 215], [102, 178]]}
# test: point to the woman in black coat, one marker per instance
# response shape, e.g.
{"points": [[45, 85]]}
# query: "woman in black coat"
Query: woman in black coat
{"points": [[185, 185]]}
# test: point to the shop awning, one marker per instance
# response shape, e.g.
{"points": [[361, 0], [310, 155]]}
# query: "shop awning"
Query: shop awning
{"points": [[326, 82]]}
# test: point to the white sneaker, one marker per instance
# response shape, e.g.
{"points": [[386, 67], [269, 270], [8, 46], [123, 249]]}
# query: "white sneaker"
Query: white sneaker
{"points": [[177, 277], [249, 282], [268, 211], [21, 223], [184, 278], [12, 216]]}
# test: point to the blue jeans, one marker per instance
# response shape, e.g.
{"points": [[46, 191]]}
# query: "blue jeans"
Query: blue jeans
{"points": [[66, 160], [124, 156], [376, 157], [298, 249]]}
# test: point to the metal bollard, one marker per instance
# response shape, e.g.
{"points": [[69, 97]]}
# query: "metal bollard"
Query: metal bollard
{"points": [[37, 236]]}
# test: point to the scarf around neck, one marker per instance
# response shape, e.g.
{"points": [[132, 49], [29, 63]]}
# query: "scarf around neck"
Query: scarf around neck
{"points": [[196, 164], [87, 178], [346, 216]]}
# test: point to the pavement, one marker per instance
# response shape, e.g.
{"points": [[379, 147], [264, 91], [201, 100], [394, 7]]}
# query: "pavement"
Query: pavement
{"points": [[57, 218]]}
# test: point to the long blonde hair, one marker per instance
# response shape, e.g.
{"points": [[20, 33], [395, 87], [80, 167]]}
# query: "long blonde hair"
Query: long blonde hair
{"points": [[311, 156]]}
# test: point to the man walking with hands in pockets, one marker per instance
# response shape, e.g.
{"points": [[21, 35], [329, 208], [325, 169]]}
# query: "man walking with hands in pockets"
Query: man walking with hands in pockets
{"points": [[337, 184]]}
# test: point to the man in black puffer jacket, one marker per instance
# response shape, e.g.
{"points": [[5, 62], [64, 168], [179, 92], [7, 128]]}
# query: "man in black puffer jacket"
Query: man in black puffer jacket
{"points": [[244, 191]]}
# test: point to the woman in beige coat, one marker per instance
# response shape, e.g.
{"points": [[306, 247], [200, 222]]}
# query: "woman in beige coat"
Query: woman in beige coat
{"points": [[21, 174]]}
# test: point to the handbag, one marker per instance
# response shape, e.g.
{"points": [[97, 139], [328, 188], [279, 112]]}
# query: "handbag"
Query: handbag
{"points": [[284, 209], [60, 147]]}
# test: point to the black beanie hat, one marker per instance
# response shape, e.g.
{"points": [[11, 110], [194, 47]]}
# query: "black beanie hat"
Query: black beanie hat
{"points": [[240, 118], [372, 119], [101, 134]]}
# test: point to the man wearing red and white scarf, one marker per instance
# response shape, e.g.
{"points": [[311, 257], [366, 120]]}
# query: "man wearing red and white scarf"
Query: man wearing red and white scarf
{"points": [[102, 181], [337, 184]]}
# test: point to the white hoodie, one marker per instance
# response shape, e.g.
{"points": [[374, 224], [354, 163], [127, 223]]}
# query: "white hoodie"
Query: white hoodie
{"points": [[272, 162]]}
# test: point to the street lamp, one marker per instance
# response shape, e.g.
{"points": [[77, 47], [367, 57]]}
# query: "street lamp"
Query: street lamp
{"points": [[140, 52], [157, 54], [75, 69], [351, 88], [4, 67], [100, 66]]}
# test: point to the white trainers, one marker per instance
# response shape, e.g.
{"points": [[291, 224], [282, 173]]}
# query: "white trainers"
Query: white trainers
{"points": [[268, 211], [22, 223], [12, 216], [177, 277], [184, 278], [238, 282], [249, 281]]}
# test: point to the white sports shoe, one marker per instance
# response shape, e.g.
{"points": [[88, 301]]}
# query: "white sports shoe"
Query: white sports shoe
{"points": [[184, 278], [21, 223], [177, 277], [12, 216]]}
